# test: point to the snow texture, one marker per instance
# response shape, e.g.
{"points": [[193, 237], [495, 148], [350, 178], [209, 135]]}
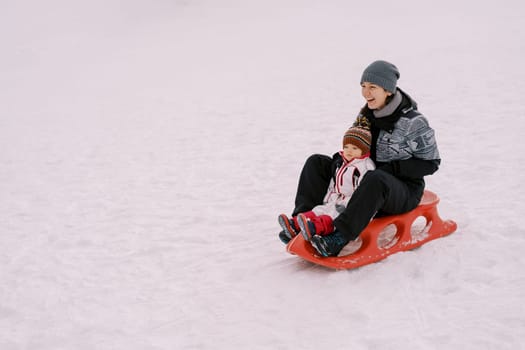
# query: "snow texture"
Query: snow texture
{"points": [[147, 147]]}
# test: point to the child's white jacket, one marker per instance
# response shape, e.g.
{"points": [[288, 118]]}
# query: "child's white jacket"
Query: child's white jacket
{"points": [[343, 184]]}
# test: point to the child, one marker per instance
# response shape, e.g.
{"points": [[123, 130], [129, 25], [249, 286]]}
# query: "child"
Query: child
{"points": [[355, 162]]}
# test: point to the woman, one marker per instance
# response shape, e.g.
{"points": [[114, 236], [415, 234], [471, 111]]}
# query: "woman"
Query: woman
{"points": [[403, 147]]}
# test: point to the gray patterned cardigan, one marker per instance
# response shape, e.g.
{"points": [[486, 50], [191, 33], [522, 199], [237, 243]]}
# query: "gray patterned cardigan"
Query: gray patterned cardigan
{"points": [[403, 143]]}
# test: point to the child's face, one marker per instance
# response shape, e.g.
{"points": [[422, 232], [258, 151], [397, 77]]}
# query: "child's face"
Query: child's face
{"points": [[351, 151]]}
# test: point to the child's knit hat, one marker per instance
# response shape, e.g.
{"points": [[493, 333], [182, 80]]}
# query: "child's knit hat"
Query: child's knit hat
{"points": [[359, 137]]}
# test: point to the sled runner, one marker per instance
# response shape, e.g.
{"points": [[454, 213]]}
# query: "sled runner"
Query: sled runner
{"points": [[383, 237]]}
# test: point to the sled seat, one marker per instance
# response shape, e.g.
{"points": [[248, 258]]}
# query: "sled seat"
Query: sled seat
{"points": [[383, 236]]}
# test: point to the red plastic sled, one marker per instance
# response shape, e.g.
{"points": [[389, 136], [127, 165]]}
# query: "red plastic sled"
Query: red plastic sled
{"points": [[383, 237]]}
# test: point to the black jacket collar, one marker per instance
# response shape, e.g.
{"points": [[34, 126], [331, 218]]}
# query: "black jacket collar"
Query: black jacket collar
{"points": [[388, 122]]}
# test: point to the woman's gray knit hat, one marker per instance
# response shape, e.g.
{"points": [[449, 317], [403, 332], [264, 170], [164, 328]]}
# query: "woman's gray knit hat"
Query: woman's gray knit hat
{"points": [[381, 73]]}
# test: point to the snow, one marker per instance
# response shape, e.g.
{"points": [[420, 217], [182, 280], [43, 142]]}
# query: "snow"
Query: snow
{"points": [[147, 148]]}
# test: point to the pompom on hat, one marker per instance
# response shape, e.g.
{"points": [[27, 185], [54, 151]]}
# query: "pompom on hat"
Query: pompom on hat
{"points": [[359, 136], [381, 73]]}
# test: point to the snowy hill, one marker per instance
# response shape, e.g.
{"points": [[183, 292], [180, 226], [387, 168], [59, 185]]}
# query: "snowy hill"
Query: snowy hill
{"points": [[147, 148]]}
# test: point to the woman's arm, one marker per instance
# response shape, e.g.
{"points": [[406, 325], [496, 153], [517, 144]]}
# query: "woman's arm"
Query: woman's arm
{"points": [[425, 158], [412, 168]]}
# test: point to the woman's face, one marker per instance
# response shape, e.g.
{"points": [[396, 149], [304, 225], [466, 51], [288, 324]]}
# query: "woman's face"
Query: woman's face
{"points": [[374, 95]]}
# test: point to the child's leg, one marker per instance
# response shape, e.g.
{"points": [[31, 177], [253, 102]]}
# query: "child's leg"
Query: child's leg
{"points": [[325, 223], [312, 224], [289, 226]]}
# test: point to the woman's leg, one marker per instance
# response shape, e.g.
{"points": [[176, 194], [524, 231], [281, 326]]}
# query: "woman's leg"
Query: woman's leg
{"points": [[379, 191], [313, 183]]}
